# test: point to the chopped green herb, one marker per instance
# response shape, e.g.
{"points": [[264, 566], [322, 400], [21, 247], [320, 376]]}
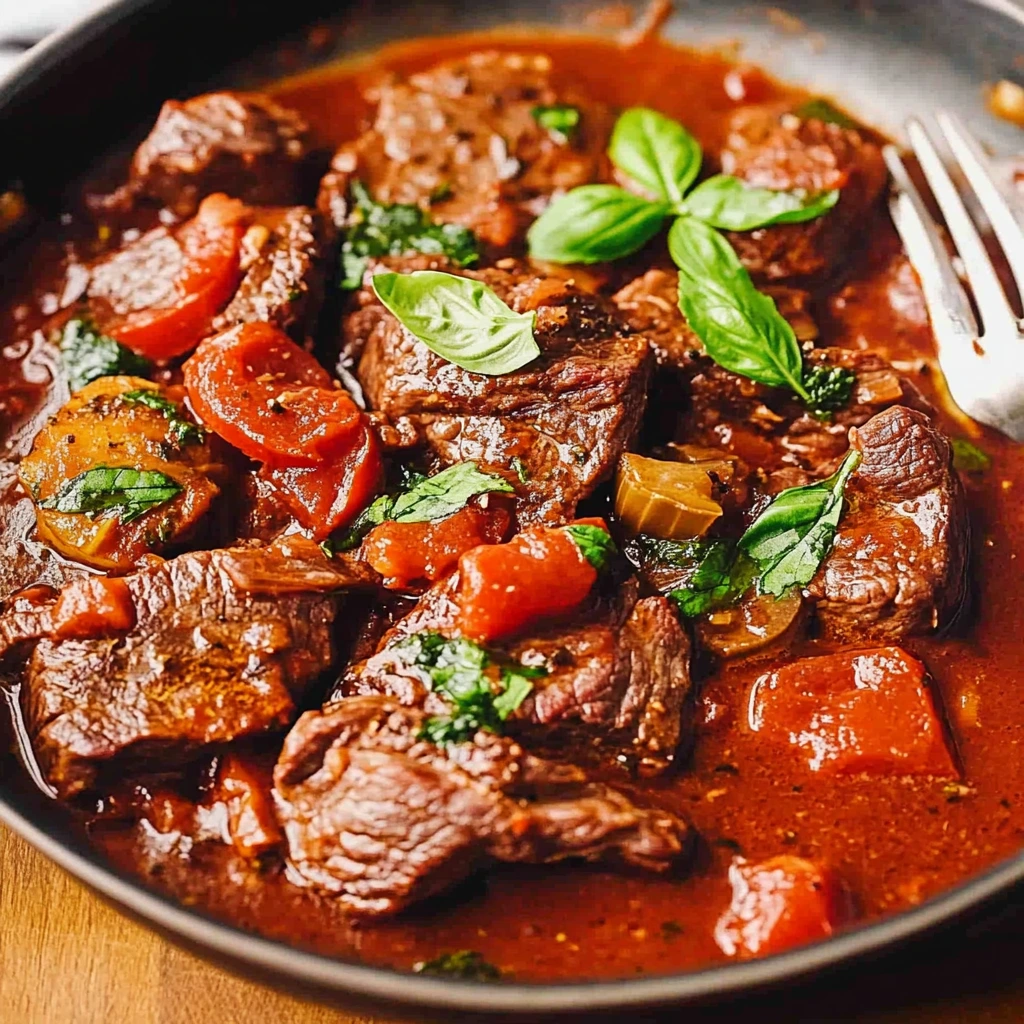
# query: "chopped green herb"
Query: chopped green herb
{"points": [[789, 540], [969, 457], [595, 544], [424, 499], [520, 469], [180, 430], [828, 387], [88, 355], [458, 670], [441, 193], [465, 964], [128, 492], [560, 120], [819, 109], [394, 229]]}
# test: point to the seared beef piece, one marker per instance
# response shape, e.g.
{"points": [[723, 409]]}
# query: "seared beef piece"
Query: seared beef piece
{"points": [[618, 682], [461, 141], [243, 144], [650, 304], [899, 564], [223, 646], [767, 150], [381, 818], [284, 260], [566, 417]]}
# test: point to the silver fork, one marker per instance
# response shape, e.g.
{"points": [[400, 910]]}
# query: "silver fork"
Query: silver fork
{"points": [[983, 367]]}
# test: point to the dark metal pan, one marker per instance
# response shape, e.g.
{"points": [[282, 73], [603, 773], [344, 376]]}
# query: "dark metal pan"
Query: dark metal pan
{"points": [[90, 87]]}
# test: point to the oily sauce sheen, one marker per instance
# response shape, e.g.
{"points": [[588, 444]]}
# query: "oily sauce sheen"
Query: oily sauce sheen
{"points": [[895, 841]]}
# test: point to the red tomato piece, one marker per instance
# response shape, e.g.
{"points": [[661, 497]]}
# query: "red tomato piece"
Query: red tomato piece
{"points": [[780, 903], [158, 294], [329, 495], [505, 587], [93, 606], [407, 553], [854, 711], [270, 398]]}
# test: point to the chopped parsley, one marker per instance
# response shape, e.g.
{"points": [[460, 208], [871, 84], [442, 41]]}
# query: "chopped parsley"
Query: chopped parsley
{"points": [[559, 120], [828, 387], [968, 457], [179, 429], [88, 354], [466, 964], [595, 544]]}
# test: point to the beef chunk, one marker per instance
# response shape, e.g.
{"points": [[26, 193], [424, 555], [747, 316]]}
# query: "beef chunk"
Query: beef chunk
{"points": [[566, 417], [769, 151], [243, 144], [461, 139], [900, 558], [223, 645], [284, 264], [650, 304], [381, 818], [618, 677]]}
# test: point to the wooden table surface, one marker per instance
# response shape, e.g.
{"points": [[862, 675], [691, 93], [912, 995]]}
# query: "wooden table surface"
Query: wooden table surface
{"points": [[68, 957]]}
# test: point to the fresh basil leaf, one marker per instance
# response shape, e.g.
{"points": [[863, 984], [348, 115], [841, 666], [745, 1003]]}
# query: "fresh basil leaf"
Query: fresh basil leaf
{"points": [[792, 536], [180, 430], [819, 109], [656, 152], [465, 963], [740, 327], [460, 319], [595, 224], [730, 204], [712, 574], [394, 229], [441, 495], [969, 457], [457, 669], [87, 355], [595, 544], [828, 388], [129, 492], [559, 119]]}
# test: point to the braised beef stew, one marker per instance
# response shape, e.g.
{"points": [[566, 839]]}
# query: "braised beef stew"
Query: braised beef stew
{"points": [[495, 511]]}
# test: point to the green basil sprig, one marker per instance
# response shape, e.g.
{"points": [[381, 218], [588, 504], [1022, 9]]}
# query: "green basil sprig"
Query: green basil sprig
{"points": [[740, 327], [460, 319], [128, 492], [88, 354], [394, 229], [790, 539], [458, 670], [463, 963], [424, 499], [180, 430]]}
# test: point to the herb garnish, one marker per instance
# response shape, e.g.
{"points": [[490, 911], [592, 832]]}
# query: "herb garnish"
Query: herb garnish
{"points": [[560, 120], [595, 544], [88, 354], [180, 430], [829, 388], [394, 229], [968, 457], [457, 669], [819, 109], [466, 963], [121, 489], [741, 328], [460, 319], [792, 536], [424, 499]]}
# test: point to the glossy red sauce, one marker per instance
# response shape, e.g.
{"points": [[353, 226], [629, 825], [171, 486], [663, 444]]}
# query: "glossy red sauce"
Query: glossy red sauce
{"points": [[895, 841]]}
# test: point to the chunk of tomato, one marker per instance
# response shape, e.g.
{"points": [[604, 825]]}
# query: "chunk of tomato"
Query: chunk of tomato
{"points": [[270, 398], [782, 902], [158, 295], [854, 711], [327, 496], [409, 553], [504, 588], [93, 606]]}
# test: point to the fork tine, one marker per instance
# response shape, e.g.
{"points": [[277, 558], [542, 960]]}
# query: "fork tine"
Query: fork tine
{"points": [[996, 314], [948, 307], [978, 173]]}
